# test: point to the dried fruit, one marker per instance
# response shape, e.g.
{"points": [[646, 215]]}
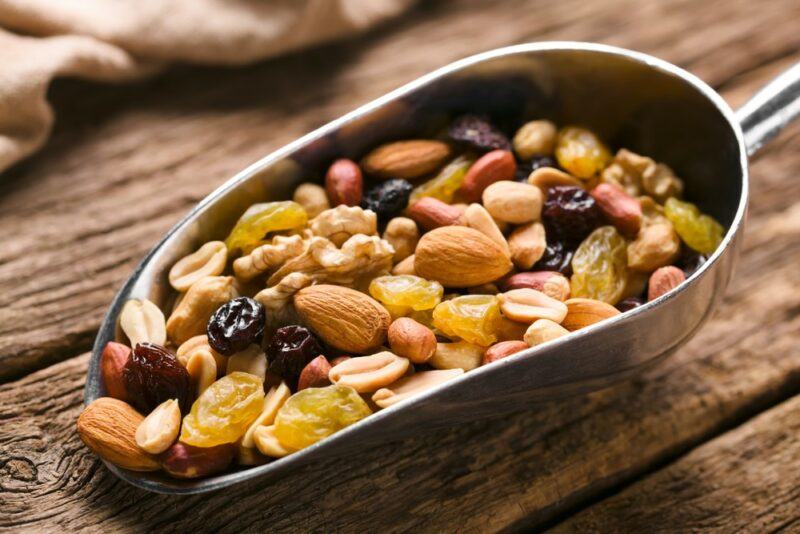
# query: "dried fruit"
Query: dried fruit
{"points": [[692, 261], [408, 292], [344, 318], [492, 167], [185, 461], [526, 168], [406, 159], [191, 315], [262, 219], [108, 427], [224, 411], [599, 266], [473, 318], [444, 185], [477, 132], [208, 260], [344, 183], [290, 350], [580, 152], [387, 199], [153, 375], [413, 385], [557, 257], [236, 325], [112, 362], [501, 350], [629, 303], [456, 256], [312, 198], [316, 413], [701, 232], [369, 373], [570, 214]]}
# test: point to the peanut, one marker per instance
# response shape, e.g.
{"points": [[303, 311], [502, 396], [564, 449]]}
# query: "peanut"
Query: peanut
{"points": [[585, 312], [528, 305], [501, 350], [312, 197], [513, 202], [251, 360], [458, 355], [208, 260], [143, 322], [344, 183], [551, 283], [267, 443], [542, 331], [664, 280], [413, 385], [160, 428], [314, 374], [369, 373], [527, 245], [202, 369], [412, 340], [432, 213], [546, 177], [535, 138]]}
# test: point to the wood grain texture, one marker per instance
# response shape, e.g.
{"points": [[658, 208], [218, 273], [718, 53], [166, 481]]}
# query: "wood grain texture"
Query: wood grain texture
{"points": [[126, 162], [743, 481]]}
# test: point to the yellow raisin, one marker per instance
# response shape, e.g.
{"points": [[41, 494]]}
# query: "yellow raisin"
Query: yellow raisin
{"points": [[580, 152], [224, 410], [701, 232], [444, 185], [262, 219], [406, 291], [473, 318], [599, 266]]}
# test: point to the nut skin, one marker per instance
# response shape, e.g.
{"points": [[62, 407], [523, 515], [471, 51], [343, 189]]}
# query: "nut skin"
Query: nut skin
{"points": [[492, 167], [498, 351], [406, 159], [412, 340], [621, 209], [315, 374], [584, 312], [344, 183], [551, 283], [108, 427], [312, 197], [664, 280], [185, 461], [113, 360], [430, 213]]}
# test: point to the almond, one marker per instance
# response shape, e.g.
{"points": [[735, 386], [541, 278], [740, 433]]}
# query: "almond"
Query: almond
{"points": [[108, 427], [457, 256], [551, 283], [113, 360], [664, 280], [490, 168], [344, 318], [412, 340], [406, 159], [430, 213], [501, 350], [344, 183], [314, 374], [584, 312], [621, 209]]}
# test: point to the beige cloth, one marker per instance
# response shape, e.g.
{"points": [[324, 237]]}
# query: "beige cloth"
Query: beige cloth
{"points": [[114, 40]]}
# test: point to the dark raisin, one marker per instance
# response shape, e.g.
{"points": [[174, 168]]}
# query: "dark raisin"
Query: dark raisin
{"points": [[629, 303], [525, 168], [570, 214], [477, 132], [690, 261], [387, 199], [290, 350], [153, 375], [236, 325], [557, 257]]}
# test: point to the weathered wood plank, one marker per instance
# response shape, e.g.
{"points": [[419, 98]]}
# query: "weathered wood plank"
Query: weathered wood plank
{"points": [[746, 480], [126, 162]]}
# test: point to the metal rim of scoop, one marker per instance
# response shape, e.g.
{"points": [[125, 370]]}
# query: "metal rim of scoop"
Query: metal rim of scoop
{"points": [[763, 116]]}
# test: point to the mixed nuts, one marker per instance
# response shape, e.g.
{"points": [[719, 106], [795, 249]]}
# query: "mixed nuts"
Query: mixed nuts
{"points": [[425, 260]]}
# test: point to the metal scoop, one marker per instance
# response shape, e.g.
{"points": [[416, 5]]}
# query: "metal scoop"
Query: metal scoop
{"points": [[630, 99]]}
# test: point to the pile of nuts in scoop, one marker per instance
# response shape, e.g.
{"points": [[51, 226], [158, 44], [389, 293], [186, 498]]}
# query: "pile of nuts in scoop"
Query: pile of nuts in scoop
{"points": [[425, 260]]}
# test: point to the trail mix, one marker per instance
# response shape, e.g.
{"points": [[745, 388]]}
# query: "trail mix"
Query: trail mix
{"points": [[423, 261]]}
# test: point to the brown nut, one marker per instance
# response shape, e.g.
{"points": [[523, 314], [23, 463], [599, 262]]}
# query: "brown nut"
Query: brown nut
{"points": [[413, 385], [492, 167], [405, 266], [412, 340], [406, 159], [108, 427], [621, 209], [369, 373], [508, 330], [344, 183], [527, 245], [430, 213], [208, 260], [513, 202], [457, 355], [542, 331], [186, 461], [546, 177], [551, 283], [528, 305], [198, 305], [113, 360], [402, 233], [476, 217], [535, 138], [501, 350], [664, 280], [160, 428], [143, 322], [584, 312], [315, 374], [312, 197]]}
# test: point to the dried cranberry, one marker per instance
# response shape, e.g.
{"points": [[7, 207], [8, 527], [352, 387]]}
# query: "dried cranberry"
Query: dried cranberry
{"points": [[557, 257], [629, 303], [290, 350], [236, 325], [477, 132], [153, 375], [388, 198], [570, 214]]}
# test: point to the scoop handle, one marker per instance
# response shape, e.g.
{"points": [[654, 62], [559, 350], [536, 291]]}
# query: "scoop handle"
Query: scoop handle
{"points": [[767, 112]]}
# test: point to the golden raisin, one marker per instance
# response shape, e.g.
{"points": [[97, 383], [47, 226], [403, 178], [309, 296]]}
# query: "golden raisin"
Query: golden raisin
{"points": [[580, 152], [261, 219], [473, 318], [701, 232], [599, 266]]}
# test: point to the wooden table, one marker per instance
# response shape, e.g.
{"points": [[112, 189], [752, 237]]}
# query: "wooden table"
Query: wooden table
{"points": [[709, 439]]}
